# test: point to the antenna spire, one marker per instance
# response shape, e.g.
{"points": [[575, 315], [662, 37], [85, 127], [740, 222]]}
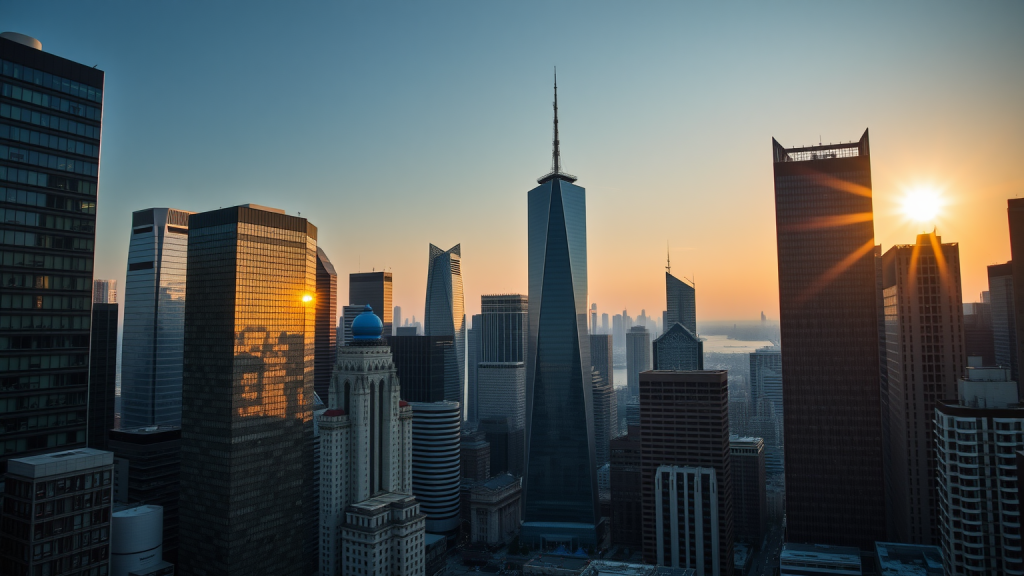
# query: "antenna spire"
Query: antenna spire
{"points": [[556, 160], [668, 258]]}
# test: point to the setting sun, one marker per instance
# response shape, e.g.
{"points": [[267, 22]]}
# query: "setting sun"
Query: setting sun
{"points": [[922, 204]]}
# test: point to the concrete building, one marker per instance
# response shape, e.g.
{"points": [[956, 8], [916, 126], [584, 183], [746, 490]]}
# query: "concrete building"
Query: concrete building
{"points": [[444, 313], [749, 497], [976, 437], [436, 469], [830, 357], [638, 357], [684, 439], [147, 470], [925, 354], [154, 318], [366, 511], [57, 510], [819, 560], [494, 509], [624, 479], [136, 541], [247, 392], [47, 273]]}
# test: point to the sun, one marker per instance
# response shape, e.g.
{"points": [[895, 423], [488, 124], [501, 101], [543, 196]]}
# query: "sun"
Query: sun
{"points": [[922, 204]]}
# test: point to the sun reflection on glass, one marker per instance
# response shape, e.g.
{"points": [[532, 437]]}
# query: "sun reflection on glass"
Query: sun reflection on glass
{"points": [[307, 298]]}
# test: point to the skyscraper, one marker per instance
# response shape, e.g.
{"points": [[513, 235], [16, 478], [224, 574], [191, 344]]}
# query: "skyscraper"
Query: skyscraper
{"points": [[593, 318], [373, 288], [397, 319], [444, 313], [425, 365], [560, 488], [247, 392], [1015, 213], [684, 431], [501, 376], [104, 291], [682, 306], [618, 333], [366, 463], [829, 327], [326, 343], [606, 423], [638, 357], [472, 369], [1004, 321], [47, 273], [925, 354], [766, 390], [978, 339], [604, 324], [679, 348], [749, 498], [348, 314], [102, 373], [154, 318]]}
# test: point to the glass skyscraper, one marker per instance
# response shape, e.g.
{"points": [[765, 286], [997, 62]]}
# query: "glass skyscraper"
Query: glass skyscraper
{"points": [[501, 376], [247, 393], [682, 304], [154, 319], [50, 112], [560, 500], [444, 313], [326, 322], [373, 288]]}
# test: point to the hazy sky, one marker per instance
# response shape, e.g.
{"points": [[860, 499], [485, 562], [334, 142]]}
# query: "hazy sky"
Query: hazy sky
{"points": [[394, 126]]}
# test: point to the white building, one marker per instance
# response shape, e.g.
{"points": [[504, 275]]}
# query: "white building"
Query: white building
{"points": [[976, 438], [691, 495], [367, 513]]}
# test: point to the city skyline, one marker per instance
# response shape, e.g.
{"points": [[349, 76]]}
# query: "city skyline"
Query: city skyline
{"points": [[632, 164]]}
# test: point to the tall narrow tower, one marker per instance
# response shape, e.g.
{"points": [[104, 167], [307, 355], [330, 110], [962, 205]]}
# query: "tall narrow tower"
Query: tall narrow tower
{"points": [[445, 312], [560, 488]]}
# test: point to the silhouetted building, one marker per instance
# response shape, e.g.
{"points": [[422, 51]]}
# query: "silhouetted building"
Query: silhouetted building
{"points": [[373, 288], [425, 366], [506, 446], [102, 373], [978, 339], [560, 500], [678, 349], [154, 318], [1015, 213], [606, 409], [47, 273], [830, 356], [444, 313], [1004, 320], [147, 470], [67, 493], [924, 341], [501, 373], [749, 498], [682, 303], [247, 392], [475, 456], [638, 357], [326, 343], [684, 435], [601, 356], [976, 437], [624, 476], [472, 367]]}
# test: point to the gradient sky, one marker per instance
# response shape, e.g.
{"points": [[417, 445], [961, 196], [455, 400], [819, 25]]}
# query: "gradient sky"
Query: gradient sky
{"points": [[394, 126]]}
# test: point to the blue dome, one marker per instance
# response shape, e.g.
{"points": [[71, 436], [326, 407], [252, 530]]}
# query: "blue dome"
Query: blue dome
{"points": [[367, 326]]}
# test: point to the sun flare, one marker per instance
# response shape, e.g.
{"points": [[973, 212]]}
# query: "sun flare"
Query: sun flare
{"points": [[922, 204]]}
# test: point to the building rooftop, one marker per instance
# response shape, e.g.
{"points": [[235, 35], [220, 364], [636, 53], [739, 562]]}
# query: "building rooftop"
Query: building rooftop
{"points": [[908, 559], [382, 500], [127, 510], [819, 553], [58, 463]]}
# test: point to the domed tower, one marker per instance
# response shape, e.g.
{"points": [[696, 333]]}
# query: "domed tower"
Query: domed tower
{"points": [[365, 434]]}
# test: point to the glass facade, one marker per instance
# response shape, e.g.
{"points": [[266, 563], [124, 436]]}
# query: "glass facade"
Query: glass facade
{"points": [[102, 374], [373, 288], [444, 312], [247, 392], [682, 304], [47, 228], [326, 322], [829, 328], [154, 319], [425, 366], [560, 491]]}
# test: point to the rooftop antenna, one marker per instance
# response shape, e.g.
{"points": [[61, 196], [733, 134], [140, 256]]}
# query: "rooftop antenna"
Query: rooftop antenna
{"points": [[556, 155], [668, 259]]}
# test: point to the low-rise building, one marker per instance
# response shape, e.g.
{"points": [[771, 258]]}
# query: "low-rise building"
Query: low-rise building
{"points": [[908, 559], [494, 509], [384, 535], [819, 560]]}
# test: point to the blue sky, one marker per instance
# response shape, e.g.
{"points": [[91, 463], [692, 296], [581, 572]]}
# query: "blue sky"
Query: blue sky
{"points": [[395, 125]]}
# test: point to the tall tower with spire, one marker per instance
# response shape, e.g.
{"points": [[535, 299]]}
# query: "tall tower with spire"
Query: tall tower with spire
{"points": [[560, 479]]}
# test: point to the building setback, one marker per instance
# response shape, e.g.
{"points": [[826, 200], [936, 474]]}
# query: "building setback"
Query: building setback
{"points": [[325, 340], [925, 354], [154, 318], [102, 373], [684, 435], [49, 161], [247, 392], [830, 348]]}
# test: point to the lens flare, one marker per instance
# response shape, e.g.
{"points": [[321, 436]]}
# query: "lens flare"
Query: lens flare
{"points": [[922, 204], [307, 298]]}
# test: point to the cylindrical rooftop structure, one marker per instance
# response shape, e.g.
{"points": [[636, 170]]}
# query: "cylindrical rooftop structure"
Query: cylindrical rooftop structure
{"points": [[22, 39], [136, 539]]}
